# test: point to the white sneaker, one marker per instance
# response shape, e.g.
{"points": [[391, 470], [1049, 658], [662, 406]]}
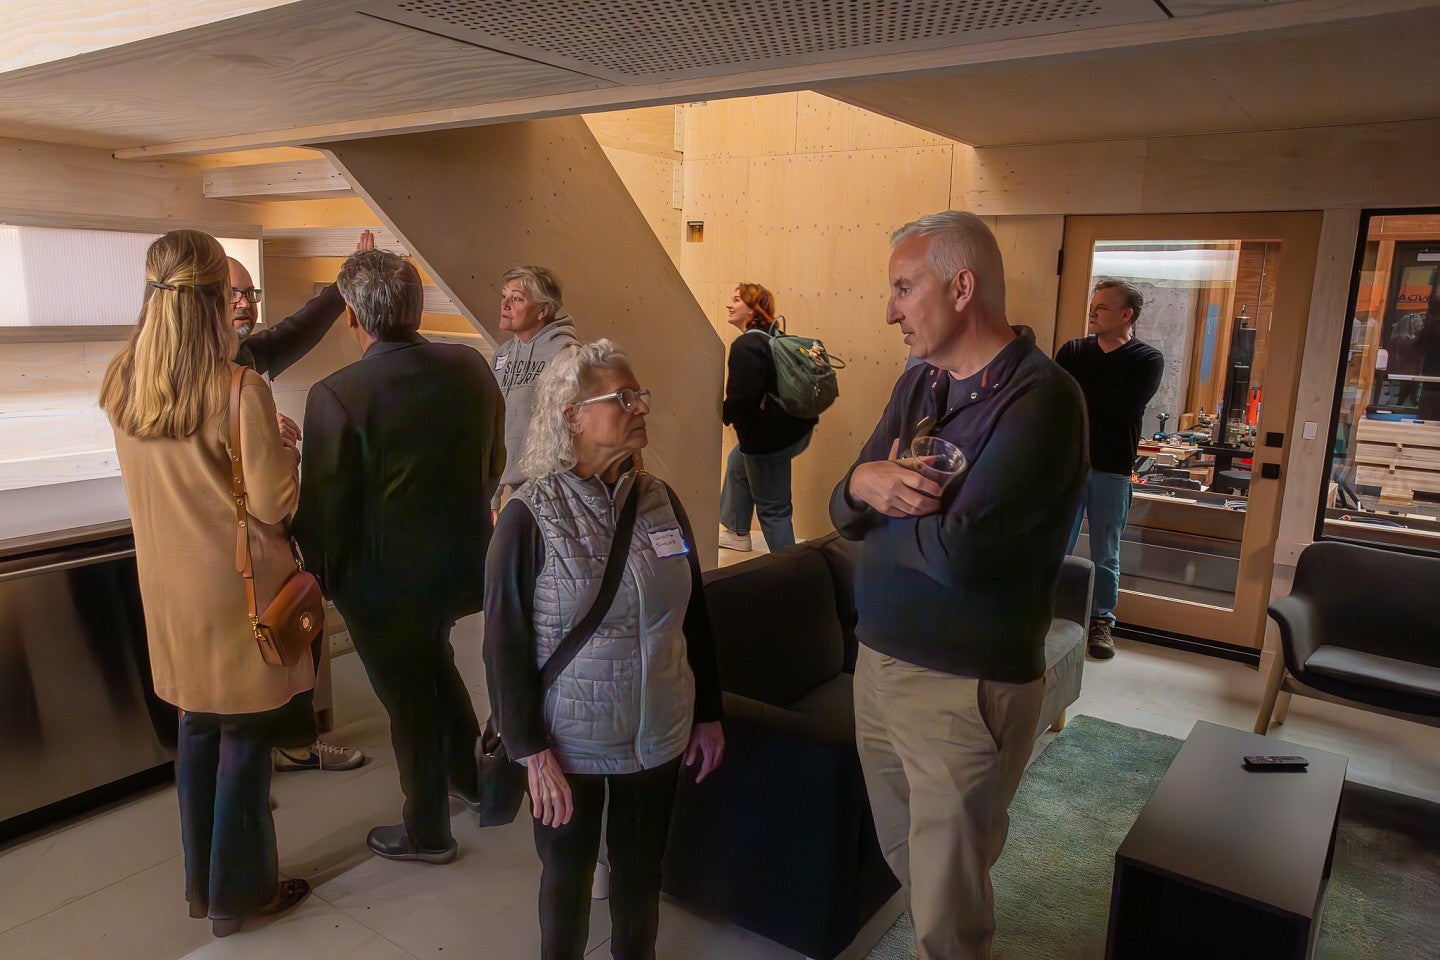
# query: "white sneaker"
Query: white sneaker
{"points": [[730, 540]]}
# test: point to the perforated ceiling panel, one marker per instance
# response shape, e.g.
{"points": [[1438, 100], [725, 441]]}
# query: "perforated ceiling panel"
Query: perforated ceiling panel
{"points": [[629, 40]]}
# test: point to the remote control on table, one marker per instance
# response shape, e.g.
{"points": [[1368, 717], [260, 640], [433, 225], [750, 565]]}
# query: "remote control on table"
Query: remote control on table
{"points": [[1275, 763]]}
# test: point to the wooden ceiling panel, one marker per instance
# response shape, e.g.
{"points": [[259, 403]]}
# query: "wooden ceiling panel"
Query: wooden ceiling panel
{"points": [[1316, 75], [316, 61]]}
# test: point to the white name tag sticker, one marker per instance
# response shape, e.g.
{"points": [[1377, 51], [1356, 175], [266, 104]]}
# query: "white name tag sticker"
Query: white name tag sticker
{"points": [[669, 542], [500, 359]]}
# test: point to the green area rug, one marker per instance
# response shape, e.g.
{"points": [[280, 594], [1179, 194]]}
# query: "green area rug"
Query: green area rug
{"points": [[1081, 796]]}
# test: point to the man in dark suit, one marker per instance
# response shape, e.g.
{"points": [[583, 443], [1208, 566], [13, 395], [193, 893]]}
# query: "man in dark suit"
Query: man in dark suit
{"points": [[403, 451]]}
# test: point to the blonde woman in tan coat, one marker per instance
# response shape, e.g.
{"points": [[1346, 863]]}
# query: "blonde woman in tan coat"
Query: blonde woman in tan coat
{"points": [[166, 393]]}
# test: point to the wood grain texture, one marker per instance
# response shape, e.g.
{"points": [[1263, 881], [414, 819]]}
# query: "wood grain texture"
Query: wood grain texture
{"points": [[57, 185], [1309, 463], [315, 61], [1315, 75], [1317, 168], [619, 281], [39, 31], [306, 242], [315, 179]]}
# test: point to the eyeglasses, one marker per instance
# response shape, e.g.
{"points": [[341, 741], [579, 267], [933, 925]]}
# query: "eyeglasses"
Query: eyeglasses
{"points": [[251, 294], [627, 399]]}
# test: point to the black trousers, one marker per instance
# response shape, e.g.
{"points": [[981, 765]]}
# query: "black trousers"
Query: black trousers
{"points": [[433, 728], [636, 828], [222, 774]]}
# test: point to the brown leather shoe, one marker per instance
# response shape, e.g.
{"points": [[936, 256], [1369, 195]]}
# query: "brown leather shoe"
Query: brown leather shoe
{"points": [[1100, 644]]}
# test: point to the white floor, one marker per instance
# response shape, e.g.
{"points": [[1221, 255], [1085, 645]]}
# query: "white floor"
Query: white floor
{"points": [[110, 885]]}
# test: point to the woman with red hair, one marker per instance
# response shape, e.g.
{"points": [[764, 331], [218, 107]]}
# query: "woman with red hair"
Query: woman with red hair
{"points": [[757, 473]]}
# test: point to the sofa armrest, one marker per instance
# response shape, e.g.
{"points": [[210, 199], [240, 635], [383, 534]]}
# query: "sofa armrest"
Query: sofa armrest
{"points": [[1300, 629], [1073, 590]]}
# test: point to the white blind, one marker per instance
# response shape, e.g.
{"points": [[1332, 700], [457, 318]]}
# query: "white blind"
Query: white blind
{"points": [[51, 277]]}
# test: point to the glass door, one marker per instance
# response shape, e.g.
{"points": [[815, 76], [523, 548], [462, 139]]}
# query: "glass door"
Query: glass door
{"points": [[1226, 301]]}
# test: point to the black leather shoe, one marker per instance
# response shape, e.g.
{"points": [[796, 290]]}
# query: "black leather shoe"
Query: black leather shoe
{"points": [[393, 843]]}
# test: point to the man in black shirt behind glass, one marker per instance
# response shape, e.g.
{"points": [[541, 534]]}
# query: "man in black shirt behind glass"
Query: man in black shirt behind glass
{"points": [[1118, 375]]}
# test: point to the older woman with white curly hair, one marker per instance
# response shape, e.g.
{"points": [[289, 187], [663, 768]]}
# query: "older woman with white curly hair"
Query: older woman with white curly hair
{"points": [[641, 695]]}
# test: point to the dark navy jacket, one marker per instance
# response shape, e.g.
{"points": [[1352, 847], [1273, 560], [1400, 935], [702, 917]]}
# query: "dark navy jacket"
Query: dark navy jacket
{"points": [[968, 591]]}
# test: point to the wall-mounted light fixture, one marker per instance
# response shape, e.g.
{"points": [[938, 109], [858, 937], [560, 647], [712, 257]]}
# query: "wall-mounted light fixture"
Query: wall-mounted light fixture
{"points": [[694, 231]]}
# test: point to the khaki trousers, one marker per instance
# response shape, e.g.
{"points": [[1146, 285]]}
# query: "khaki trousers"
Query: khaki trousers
{"points": [[943, 756]]}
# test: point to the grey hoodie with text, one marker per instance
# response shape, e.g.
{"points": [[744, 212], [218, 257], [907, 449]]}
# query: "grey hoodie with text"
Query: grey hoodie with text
{"points": [[517, 366]]}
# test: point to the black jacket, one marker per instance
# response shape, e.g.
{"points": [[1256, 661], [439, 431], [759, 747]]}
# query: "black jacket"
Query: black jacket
{"points": [[403, 450], [270, 350], [760, 424], [968, 591]]}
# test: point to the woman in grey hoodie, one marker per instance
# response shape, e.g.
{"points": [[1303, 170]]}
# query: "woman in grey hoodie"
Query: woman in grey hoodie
{"points": [[531, 310]]}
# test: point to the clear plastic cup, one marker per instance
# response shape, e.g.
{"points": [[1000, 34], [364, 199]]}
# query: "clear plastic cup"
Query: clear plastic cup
{"points": [[937, 459]]}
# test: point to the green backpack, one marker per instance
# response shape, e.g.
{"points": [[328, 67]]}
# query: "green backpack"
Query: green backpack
{"points": [[805, 381]]}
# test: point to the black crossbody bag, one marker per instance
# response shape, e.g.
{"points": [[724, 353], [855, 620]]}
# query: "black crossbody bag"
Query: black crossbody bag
{"points": [[503, 781]]}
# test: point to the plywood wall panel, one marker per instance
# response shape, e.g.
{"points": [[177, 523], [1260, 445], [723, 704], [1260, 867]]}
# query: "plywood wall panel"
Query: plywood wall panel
{"points": [[716, 194], [1106, 177], [744, 127], [1030, 247], [644, 130], [561, 204], [650, 180], [823, 247], [824, 124]]}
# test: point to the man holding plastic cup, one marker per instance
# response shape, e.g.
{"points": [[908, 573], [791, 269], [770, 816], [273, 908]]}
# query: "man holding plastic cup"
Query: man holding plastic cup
{"points": [[955, 583]]}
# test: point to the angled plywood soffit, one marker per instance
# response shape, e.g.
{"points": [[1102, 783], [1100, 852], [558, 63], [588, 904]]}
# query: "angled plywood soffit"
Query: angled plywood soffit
{"points": [[469, 203]]}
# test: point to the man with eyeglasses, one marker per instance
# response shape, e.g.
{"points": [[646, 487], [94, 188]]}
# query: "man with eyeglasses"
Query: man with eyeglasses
{"points": [[270, 352]]}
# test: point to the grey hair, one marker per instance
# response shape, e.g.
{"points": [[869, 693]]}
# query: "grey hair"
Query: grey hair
{"points": [[1134, 299], [549, 444], [385, 292], [959, 239], [541, 285]]}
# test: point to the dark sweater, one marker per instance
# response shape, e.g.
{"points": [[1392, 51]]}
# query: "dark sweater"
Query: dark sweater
{"points": [[760, 423], [270, 350], [968, 591], [1117, 385], [516, 556]]}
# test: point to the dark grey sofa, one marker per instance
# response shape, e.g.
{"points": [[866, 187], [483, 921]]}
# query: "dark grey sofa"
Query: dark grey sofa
{"points": [[780, 839]]}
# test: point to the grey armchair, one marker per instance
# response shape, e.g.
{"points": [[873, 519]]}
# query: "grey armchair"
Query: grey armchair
{"points": [[1359, 627]]}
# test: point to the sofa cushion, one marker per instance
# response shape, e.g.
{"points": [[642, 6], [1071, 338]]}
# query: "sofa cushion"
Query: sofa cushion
{"points": [[777, 636], [1373, 670]]}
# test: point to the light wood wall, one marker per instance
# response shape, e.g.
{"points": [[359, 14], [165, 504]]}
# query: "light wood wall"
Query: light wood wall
{"points": [[543, 192], [53, 437], [800, 193], [643, 146]]}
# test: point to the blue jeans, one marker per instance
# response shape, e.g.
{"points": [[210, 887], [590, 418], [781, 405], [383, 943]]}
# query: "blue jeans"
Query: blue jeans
{"points": [[1106, 501], [760, 485], [223, 778]]}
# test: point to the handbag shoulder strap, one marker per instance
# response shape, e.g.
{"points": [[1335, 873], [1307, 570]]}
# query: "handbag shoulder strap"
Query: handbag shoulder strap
{"points": [[244, 562], [580, 634]]}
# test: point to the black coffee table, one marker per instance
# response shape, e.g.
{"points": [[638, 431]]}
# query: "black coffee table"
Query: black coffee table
{"points": [[1224, 862]]}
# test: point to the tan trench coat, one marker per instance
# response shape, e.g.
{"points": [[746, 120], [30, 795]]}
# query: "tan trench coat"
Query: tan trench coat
{"points": [[202, 653]]}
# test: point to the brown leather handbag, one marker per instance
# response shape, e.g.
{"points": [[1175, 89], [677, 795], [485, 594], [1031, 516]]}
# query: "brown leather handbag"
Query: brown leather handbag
{"points": [[289, 624]]}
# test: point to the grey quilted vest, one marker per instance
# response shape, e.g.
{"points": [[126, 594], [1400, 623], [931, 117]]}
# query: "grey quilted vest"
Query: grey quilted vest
{"points": [[627, 702]]}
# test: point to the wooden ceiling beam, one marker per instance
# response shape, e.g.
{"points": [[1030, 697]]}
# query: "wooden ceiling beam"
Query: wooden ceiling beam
{"points": [[1277, 16], [315, 179]]}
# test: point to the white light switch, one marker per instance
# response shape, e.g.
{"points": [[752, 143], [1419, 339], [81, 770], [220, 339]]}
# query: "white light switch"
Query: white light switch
{"points": [[1310, 428]]}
